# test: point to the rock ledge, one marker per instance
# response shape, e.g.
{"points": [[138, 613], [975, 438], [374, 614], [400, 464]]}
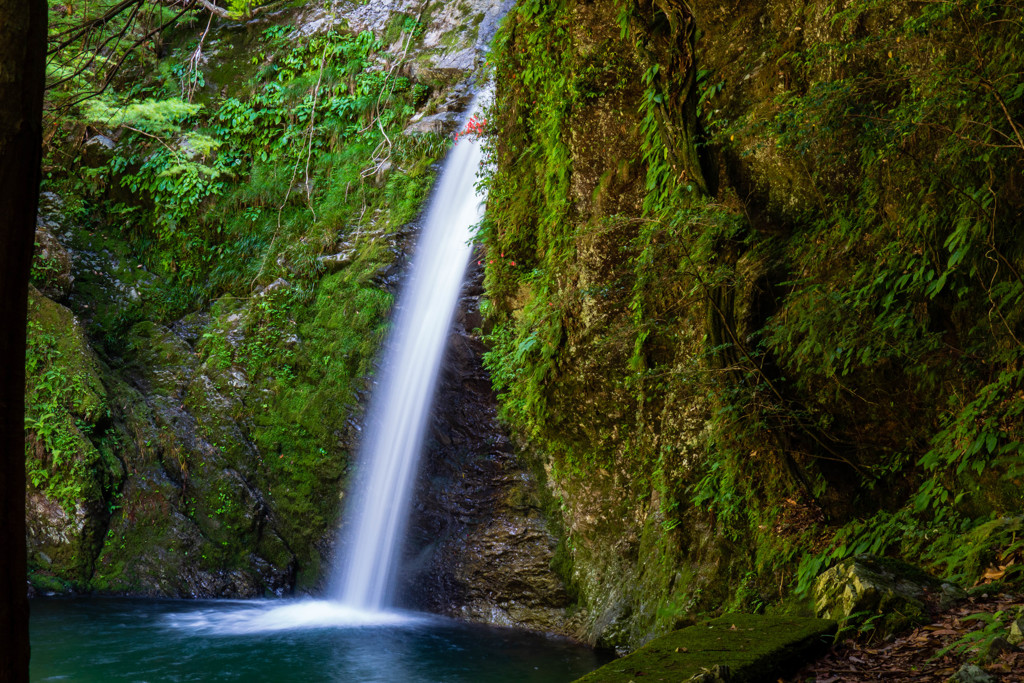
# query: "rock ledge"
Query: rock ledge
{"points": [[745, 648]]}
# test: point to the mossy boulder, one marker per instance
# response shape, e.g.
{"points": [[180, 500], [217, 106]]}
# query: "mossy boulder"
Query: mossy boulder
{"points": [[1016, 636], [863, 586], [72, 471], [971, 673]]}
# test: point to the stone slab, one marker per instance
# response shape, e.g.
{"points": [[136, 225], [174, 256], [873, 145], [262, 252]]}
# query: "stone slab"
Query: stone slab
{"points": [[754, 647]]}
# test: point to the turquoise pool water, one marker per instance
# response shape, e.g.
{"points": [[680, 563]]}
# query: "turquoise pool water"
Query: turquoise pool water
{"points": [[111, 639]]}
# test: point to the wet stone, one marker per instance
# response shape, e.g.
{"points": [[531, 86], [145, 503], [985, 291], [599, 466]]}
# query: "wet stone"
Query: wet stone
{"points": [[971, 673]]}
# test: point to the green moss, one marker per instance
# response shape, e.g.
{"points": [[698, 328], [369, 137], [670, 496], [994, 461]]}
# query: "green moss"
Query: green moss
{"points": [[70, 448], [47, 583], [58, 339], [755, 648], [395, 27]]}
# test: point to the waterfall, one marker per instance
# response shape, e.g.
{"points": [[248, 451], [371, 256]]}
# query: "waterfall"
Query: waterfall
{"points": [[400, 404]]}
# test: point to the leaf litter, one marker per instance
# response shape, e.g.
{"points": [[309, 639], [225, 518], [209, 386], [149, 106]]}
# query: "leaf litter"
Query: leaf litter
{"points": [[932, 653]]}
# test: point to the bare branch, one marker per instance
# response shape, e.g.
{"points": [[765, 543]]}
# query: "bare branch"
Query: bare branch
{"points": [[214, 9], [112, 72], [82, 29]]}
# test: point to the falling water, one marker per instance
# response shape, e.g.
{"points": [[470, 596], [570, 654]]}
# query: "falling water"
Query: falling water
{"points": [[401, 401], [351, 636]]}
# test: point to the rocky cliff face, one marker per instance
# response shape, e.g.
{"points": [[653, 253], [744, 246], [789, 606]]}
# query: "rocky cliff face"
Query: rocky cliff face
{"points": [[168, 463], [695, 219], [155, 489]]}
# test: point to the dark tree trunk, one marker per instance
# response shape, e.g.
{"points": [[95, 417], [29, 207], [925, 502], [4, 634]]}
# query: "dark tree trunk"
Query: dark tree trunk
{"points": [[22, 72]]}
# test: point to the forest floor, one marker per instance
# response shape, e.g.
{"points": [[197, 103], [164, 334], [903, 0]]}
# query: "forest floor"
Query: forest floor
{"points": [[972, 631]]}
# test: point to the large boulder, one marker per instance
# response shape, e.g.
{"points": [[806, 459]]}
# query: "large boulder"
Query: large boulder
{"points": [[864, 586]]}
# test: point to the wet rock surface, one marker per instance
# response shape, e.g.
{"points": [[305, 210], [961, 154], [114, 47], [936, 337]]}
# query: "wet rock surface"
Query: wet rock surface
{"points": [[479, 545], [51, 265], [52, 262]]}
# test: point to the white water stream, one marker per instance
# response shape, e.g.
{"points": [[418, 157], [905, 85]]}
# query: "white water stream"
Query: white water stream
{"points": [[360, 589], [400, 404]]}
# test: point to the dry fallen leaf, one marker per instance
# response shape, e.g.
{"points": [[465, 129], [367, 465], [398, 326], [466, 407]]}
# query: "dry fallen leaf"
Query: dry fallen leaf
{"points": [[994, 573], [944, 632]]}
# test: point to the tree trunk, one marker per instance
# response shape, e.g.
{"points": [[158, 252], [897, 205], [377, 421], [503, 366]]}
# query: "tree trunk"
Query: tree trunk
{"points": [[22, 74]]}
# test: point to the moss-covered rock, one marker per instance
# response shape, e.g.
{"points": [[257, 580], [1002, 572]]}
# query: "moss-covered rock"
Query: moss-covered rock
{"points": [[73, 474], [863, 587], [695, 315], [190, 522], [746, 648], [51, 265]]}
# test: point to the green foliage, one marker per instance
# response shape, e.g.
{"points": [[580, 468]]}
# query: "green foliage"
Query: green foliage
{"points": [[826, 280], [909, 280], [978, 642], [64, 402], [521, 362], [225, 186], [148, 116], [60, 470], [221, 192]]}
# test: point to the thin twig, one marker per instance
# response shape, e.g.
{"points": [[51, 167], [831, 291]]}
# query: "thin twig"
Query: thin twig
{"points": [[193, 63], [312, 119], [85, 28]]}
